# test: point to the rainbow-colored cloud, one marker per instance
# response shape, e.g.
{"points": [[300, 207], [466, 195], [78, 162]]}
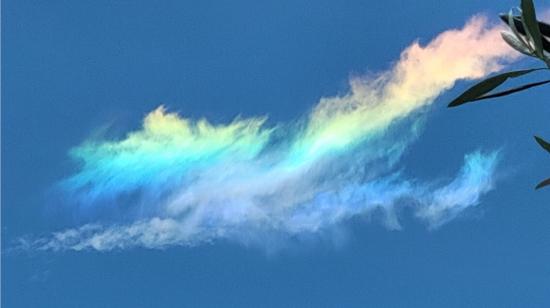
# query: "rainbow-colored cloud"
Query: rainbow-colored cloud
{"points": [[246, 180]]}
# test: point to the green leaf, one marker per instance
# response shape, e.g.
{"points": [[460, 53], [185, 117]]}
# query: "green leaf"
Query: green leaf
{"points": [[543, 27], [515, 43], [543, 184], [518, 24], [487, 85], [545, 145], [530, 20], [513, 90]]}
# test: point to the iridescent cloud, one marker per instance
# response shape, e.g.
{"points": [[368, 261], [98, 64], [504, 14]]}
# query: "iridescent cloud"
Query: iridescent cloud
{"points": [[246, 180]]}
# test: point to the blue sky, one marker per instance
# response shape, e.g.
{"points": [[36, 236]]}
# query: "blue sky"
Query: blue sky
{"points": [[70, 69]]}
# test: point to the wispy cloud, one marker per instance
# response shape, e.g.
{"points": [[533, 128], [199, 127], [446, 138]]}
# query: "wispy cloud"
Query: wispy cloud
{"points": [[244, 180]]}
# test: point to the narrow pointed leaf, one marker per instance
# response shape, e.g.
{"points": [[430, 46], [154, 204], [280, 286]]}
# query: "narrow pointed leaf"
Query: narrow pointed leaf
{"points": [[522, 37], [545, 145], [487, 85], [543, 184], [518, 24], [513, 90], [531, 24], [543, 27], [515, 43]]}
